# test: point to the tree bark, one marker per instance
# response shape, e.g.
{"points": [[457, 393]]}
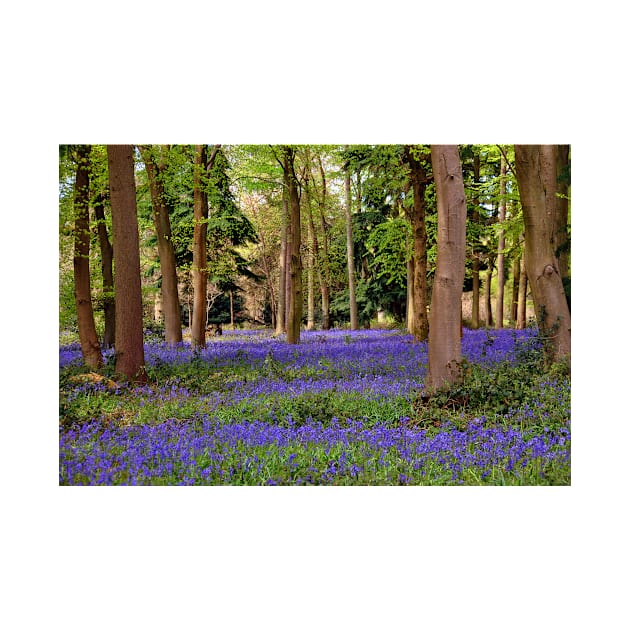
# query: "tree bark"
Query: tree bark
{"points": [[488, 292], [475, 253], [166, 251], [521, 314], [90, 347], [500, 253], [294, 294], [419, 181], [200, 257], [536, 177], [445, 314], [281, 321], [354, 319], [107, 271], [516, 274], [561, 236], [127, 284], [325, 274]]}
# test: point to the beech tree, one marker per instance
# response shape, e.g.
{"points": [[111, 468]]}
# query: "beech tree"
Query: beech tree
{"points": [[155, 161], [90, 347], [127, 285], [294, 240], [445, 314], [536, 173]]}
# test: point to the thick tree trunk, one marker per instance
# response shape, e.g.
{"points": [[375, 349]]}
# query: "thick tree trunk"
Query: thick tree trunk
{"points": [[200, 258], [90, 347], [536, 176], [294, 294], [107, 271], [354, 319], [166, 251], [445, 315], [500, 254], [127, 284]]}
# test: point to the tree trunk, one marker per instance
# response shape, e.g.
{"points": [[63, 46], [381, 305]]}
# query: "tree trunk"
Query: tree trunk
{"points": [[127, 284], [500, 254], [294, 294], [475, 253], [281, 325], [354, 319], [516, 274], [445, 314], [200, 258], [561, 236], [107, 271], [325, 276], [310, 272], [488, 292], [521, 314], [419, 181], [536, 176], [90, 347], [410, 311], [166, 251]]}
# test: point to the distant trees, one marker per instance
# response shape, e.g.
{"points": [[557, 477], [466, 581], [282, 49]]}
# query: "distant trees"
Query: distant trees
{"points": [[127, 286], [243, 229]]}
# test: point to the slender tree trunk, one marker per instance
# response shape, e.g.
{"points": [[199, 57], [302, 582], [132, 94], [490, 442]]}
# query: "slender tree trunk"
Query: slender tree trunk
{"points": [[475, 253], [354, 319], [516, 274], [107, 271], [325, 282], [127, 284], [232, 309], [166, 251], [90, 347], [536, 176], [410, 310], [500, 254], [561, 236], [419, 181], [281, 326], [445, 315], [200, 258], [521, 314], [310, 271], [295, 296], [488, 292]]}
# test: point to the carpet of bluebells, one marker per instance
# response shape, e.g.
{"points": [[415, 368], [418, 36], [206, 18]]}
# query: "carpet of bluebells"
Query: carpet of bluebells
{"points": [[340, 408]]}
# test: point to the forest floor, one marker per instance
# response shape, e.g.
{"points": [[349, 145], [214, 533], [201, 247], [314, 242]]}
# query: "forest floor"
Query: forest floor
{"points": [[340, 408]]}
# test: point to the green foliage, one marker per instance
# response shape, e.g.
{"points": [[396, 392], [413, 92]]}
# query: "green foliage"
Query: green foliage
{"points": [[495, 393]]}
